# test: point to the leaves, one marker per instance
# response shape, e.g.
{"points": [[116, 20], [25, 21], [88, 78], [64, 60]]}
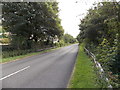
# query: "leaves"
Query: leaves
{"points": [[69, 39], [100, 31], [34, 21]]}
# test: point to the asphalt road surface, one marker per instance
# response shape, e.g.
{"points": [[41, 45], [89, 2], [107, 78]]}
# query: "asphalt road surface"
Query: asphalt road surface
{"points": [[48, 70]]}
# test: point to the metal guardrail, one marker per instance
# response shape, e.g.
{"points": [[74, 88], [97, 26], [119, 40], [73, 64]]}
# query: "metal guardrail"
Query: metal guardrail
{"points": [[98, 65]]}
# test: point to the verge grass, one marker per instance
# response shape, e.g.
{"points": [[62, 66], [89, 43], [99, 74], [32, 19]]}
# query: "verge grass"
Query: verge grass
{"points": [[9, 59], [4, 60], [83, 75]]}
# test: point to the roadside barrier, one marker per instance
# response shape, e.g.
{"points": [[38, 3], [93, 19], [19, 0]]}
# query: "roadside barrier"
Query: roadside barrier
{"points": [[99, 67]]}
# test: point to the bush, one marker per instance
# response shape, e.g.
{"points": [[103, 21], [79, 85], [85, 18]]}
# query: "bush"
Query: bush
{"points": [[5, 40], [60, 43], [6, 54]]}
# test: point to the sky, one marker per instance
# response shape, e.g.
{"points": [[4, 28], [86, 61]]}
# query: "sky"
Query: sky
{"points": [[71, 11]]}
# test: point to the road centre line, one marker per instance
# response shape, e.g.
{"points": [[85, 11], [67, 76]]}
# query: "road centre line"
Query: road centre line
{"points": [[14, 73]]}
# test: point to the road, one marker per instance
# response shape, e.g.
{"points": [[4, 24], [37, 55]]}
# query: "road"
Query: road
{"points": [[48, 70]]}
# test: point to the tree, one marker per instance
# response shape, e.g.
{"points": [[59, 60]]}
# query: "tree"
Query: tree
{"points": [[100, 31], [69, 39], [31, 22]]}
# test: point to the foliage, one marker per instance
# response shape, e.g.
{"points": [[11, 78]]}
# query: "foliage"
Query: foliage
{"points": [[69, 39], [0, 29], [100, 31], [60, 43], [4, 40], [24, 54], [31, 23]]}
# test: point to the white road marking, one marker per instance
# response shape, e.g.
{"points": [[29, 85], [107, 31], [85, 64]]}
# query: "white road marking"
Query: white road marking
{"points": [[15, 73]]}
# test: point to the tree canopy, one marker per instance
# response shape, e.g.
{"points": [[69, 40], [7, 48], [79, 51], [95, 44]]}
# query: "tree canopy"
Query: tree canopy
{"points": [[31, 22], [69, 39]]}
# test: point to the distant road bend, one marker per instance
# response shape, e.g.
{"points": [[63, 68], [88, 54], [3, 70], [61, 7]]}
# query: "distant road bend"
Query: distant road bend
{"points": [[48, 70]]}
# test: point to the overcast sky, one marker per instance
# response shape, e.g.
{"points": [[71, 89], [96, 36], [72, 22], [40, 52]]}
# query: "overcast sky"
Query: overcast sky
{"points": [[71, 11]]}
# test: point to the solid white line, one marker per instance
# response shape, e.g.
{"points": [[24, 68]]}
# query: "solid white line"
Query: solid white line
{"points": [[14, 73]]}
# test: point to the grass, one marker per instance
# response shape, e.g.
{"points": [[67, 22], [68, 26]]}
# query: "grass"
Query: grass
{"points": [[24, 56], [84, 75], [4, 60]]}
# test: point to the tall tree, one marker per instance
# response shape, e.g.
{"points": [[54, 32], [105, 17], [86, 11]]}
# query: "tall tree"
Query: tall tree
{"points": [[100, 31], [31, 22]]}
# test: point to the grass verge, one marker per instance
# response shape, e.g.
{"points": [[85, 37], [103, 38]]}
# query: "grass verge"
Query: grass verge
{"points": [[4, 60], [84, 75]]}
